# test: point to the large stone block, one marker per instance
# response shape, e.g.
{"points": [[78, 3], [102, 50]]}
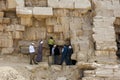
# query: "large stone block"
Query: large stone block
{"points": [[7, 50], [1, 14], [4, 20], [117, 12], [26, 21], [50, 29], [51, 21], [19, 28], [12, 4], [66, 4], [1, 27], [17, 35], [24, 11], [53, 3], [24, 50], [35, 33], [6, 42], [58, 28], [104, 72], [42, 12], [83, 4]]}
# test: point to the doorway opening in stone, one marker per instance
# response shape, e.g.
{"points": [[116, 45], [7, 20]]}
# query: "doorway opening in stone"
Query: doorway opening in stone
{"points": [[117, 32]]}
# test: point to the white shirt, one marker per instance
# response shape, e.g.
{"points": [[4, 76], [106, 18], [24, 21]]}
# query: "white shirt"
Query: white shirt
{"points": [[31, 49]]}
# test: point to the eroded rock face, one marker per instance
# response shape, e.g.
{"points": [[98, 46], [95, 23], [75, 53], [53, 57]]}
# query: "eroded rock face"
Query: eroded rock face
{"points": [[9, 73]]}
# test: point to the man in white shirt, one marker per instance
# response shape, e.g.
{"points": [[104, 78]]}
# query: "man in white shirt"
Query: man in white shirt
{"points": [[32, 53]]}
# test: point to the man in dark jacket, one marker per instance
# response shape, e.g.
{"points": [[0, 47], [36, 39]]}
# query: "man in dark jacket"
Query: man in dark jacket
{"points": [[64, 55], [56, 55]]}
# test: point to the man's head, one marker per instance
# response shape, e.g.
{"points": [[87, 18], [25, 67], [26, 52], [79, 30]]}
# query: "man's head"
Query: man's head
{"points": [[33, 43]]}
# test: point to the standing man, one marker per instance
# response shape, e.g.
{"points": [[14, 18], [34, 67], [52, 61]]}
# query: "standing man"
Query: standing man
{"points": [[56, 55], [32, 53], [50, 43], [39, 54], [70, 52], [64, 55]]}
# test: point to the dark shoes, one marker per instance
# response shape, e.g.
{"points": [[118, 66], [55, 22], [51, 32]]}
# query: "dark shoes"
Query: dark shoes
{"points": [[35, 63], [31, 64]]}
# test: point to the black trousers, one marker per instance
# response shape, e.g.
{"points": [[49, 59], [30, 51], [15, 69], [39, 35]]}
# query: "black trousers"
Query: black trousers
{"points": [[32, 58], [50, 47]]}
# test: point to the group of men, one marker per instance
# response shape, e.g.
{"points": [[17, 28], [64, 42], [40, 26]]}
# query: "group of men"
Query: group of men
{"points": [[66, 53], [38, 58], [55, 52]]}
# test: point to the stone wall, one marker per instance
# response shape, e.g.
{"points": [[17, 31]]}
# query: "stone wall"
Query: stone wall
{"points": [[27, 21]]}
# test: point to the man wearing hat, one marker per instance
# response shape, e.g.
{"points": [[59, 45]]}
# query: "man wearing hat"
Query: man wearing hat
{"points": [[32, 53]]}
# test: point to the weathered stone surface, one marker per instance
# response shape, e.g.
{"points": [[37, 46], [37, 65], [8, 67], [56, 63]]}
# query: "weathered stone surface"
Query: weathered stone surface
{"points": [[1, 27], [7, 50], [66, 4], [83, 4], [10, 73], [12, 4], [89, 66], [24, 11], [42, 12], [1, 14], [26, 21], [53, 3], [61, 78]]}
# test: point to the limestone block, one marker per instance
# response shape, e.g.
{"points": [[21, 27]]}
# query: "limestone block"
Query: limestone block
{"points": [[3, 5], [1, 20], [53, 3], [66, 4], [60, 42], [17, 35], [26, 21], [42, 12], [6, 20], [1, 27], [115, 3], [107, 45], [104, 72], [35, 33], [117, 12], [58, 28], [84, 45], [61, 12], [20, 3], [105, 13], [23, 43], [24, 50], [9, 28], [7, 50], [51, 21], [6, 42], [83, 4], [24, 11], [12, 4], [89, 73], [50, 29], [19, 28], [101, 53], [1, 14]]}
